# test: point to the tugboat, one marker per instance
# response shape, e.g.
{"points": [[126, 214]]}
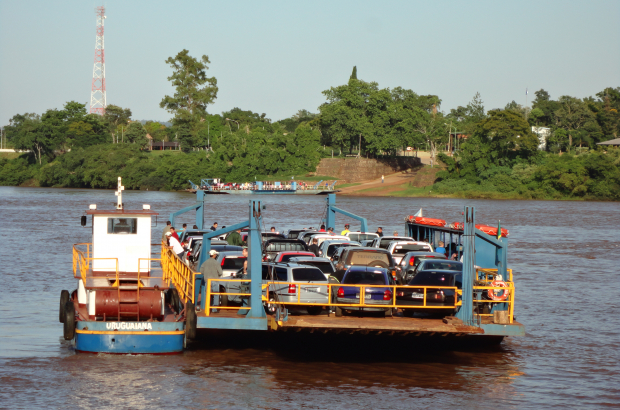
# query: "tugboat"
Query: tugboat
{"points": [[126, 301]]}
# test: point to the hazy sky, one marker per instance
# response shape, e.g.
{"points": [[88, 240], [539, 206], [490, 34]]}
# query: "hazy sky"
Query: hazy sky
{"points": [[276, 57]]}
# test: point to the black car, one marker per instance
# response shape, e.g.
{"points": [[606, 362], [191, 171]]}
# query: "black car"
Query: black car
{"points": [[411, 260], [272, 246], [412, 296], [344, 258]]}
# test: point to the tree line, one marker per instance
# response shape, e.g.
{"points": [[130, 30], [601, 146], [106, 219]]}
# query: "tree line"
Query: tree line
{"points": [[69, 147]]}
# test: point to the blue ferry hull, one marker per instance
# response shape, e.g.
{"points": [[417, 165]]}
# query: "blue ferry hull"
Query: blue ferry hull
{"points": [[102, 337]]}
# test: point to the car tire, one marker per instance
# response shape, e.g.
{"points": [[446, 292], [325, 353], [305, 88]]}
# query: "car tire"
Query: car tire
{"points": [[338, 312], [270, 308], [64, 298], [314, 310], [69, 322], [223, 298]]}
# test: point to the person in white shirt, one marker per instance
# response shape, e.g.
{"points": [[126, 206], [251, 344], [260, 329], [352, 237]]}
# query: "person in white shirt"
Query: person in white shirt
{"points": [[175, 245]]}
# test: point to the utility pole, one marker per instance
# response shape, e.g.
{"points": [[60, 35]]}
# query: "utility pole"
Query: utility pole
{"points": [[97, 91]]}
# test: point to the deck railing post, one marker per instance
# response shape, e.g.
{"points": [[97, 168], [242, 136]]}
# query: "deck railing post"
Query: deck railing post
{"points": [[255, 250], [465, 313]]}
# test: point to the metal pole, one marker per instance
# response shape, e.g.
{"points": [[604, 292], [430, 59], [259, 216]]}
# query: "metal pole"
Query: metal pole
{"points": [[254, 261]]}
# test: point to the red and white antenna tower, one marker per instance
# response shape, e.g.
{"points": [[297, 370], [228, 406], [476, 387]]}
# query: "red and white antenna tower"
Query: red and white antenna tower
{"points": [[97, 93]]}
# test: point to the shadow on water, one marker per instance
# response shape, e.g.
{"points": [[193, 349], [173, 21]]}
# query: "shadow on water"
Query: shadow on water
{"points": [[298, 360]]}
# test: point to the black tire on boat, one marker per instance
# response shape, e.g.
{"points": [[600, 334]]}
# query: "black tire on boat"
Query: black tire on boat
{"points": [[338, 312], [190, 321], [69, 323], [175, 301], [64, 298]]}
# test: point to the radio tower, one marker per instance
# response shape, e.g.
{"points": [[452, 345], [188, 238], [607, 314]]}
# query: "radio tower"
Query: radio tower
{"points": [[97, 93]]}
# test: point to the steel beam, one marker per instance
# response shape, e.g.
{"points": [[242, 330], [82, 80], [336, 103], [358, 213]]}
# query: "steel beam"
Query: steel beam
{"points": [[466, 313], [332, 210]]}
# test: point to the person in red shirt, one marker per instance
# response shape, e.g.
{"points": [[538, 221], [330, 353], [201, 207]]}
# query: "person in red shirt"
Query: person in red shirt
{"points": [[174, 233], [322, 228]]}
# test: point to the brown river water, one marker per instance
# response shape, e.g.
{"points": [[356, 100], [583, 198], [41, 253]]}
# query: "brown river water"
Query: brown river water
{"points": [[565, 257]]}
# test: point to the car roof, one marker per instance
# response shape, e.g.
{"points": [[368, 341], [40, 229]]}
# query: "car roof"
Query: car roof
{"points": [[442, 271], [424, 253], [361, 268], [368, 248], [284, 240], [294, 252], [309, 259]]}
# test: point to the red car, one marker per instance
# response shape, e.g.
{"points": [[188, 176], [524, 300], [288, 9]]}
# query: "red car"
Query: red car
{"points": [[285, 256]]}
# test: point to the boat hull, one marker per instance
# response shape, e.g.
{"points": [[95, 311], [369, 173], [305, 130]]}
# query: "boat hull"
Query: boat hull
{"points": [[268, 192], [130, 337]]}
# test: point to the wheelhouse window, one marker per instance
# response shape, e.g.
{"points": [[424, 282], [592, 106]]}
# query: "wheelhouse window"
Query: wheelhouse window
{"points": [[127, 226]]}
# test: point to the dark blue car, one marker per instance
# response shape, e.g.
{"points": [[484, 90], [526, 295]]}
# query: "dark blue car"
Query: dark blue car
{"points": [[375, 296]]}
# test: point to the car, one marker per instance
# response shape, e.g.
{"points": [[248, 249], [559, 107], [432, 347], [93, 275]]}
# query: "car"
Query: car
{"points": [[274, 245], [294, 233], [438, 264], [321, 237], [285, 256], [345, 257], [231, 262], [398, 249], [325, 264], [411, 260], [384, 241], [411, 296], [220, 246], [194, 243], [303, 235], [361, 236], [329, 247], [375, 296], [305, 284]]}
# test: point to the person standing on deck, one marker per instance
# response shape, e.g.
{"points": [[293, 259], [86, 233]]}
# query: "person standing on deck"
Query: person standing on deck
{"points": [[245, 262], [166, 230], [210, 269], [382, 179], [174, 233], [214, 227], [379, 232], [395, 233], [235, 238], [440, 248], [346, 230], [322, 228], [314, 248], [175, 245], [182, 231]]}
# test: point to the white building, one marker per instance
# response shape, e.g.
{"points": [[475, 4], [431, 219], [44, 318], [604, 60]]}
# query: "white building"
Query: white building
{"points": [[542, 133]]}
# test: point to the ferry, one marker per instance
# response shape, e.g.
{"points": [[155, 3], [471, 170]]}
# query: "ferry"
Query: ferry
{"points": [[125, 301], [214, 186]]}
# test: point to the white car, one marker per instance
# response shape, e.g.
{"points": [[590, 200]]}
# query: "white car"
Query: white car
{"points": [[325, 237], [362, 236], [384, 241], [400, 248]]}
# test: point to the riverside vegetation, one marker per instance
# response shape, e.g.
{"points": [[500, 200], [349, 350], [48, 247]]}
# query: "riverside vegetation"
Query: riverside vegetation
{"points": [[499, 158]]}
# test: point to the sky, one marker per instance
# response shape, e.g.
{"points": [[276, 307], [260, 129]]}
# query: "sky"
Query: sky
{"points": [[276, 57]]}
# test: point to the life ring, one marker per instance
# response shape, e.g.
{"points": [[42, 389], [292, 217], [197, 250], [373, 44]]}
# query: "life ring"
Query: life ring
{"points": [[427, 221], [498, 294], [491, 230]]}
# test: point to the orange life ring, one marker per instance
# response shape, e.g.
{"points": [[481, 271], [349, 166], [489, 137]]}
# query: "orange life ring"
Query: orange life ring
{"points": [[490, 230], [427, 221], [498, 294]]}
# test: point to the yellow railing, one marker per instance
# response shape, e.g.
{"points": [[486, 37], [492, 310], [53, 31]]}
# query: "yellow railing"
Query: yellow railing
{"points": [[178, 273], [82, 262], [489, 277], [362, 295]]}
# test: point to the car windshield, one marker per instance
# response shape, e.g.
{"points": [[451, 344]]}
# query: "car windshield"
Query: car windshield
{"points": [[365, 278], [368, 258], [325, 267], [361, 236], [286, 258], [442, 265], [308, 274], [233, 263], [432, 279], [285, 246], [331, 249], [403, 249]]}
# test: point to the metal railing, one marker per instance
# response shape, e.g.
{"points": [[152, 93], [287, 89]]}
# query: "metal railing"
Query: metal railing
{"points": [[393, 303], [175, 271], [484, 285], [82, 262]]}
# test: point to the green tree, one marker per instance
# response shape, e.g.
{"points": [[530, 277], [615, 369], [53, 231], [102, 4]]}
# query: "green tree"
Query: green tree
{"points": [[354, 73], [572, 115], [136, 134], [116, 117], [194, 91]]}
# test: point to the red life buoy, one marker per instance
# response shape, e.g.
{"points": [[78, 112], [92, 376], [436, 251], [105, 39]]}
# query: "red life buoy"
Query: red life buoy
{"points": [[427, 221], [498, 294], [491, 230]]}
